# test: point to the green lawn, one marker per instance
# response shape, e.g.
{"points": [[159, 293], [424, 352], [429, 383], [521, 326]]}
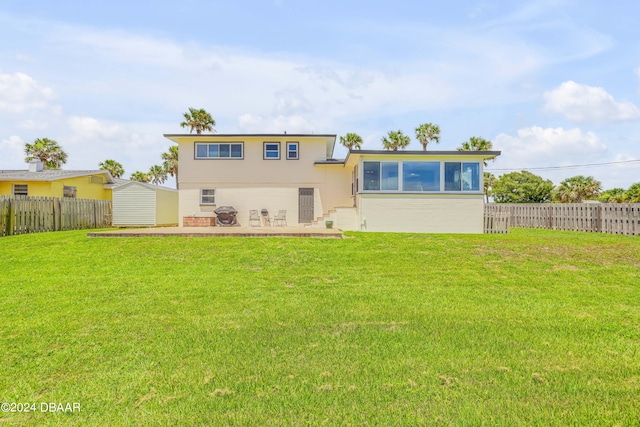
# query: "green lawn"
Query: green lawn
{"points": [[534, 328]]}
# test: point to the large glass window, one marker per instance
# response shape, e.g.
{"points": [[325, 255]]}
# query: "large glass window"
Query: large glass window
{"points": [[389, 176], [222, 150], [461, 176], [381, 176], [371, 172], [421, 176], [471, 176]]}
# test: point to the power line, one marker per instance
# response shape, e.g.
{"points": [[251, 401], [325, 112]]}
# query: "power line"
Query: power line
{"points": [[566, 167]]}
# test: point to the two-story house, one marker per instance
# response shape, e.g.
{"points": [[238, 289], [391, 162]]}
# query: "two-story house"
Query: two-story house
{"points": [[374, 190]]}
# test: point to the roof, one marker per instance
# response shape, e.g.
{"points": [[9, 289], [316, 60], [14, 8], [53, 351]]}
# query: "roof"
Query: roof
{"points": [[329, 138], [127, 183], [48, 175], [355, 154]]}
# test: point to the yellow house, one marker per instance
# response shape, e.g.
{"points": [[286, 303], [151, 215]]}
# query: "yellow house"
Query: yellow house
{"points": [[370, 190], [37, 181]]}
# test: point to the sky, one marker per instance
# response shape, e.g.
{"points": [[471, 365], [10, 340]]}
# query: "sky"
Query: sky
{"points": [[553, 84]]}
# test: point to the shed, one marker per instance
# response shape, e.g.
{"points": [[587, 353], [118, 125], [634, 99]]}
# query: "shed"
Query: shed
{"points": [[137, 204]]}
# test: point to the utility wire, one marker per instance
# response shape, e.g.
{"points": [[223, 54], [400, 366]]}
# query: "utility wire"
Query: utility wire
{"points": [[566, 167]]}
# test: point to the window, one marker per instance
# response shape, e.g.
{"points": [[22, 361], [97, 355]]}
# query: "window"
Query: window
{"points": [[421, 176], [292, 151], [461, 176], [272, 151], [371, 176], [208, 196], [381, 176], [68, 191], [221, 150], [20, 190]]}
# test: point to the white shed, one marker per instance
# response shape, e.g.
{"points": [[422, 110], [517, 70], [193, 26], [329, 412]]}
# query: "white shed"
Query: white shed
{"points": [[137, 204]]}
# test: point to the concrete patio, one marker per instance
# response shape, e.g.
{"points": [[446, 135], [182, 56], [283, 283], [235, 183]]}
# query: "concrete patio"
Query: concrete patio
{"points": [[221, 232]]}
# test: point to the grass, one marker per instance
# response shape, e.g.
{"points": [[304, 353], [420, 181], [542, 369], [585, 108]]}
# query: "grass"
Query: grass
{"points": [[532, 328]]}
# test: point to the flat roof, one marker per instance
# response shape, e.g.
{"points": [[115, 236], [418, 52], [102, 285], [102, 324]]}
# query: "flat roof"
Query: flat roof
{"points": [[49, 174]]}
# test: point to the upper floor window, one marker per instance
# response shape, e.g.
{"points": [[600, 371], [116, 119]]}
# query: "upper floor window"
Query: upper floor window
{"points": [[219, 150], [68, 191], [292, 151], [20, 189], [272, 151]]}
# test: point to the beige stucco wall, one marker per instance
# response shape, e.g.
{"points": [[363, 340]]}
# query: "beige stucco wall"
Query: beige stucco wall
{"points": [[421, 213], [256, 183]]}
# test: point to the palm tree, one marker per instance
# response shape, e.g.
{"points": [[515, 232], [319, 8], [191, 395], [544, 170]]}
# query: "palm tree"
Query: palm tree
{"points": [[140, 177], [394, 140], [476, 143], [170, 164], [427, 132], [47, 151], [199, 120], [115, 169], [577, 189], [157, 174], [489, 181], [352, 141]]}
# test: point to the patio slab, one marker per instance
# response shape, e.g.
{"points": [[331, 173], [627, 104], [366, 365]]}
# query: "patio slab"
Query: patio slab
{"points": [[221, 232]]}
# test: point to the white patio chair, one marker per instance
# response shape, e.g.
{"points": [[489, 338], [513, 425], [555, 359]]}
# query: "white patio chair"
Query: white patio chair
{"points": [[281, 218], [254, 217]]}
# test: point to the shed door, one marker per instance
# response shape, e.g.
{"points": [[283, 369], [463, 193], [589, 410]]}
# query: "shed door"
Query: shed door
{"points": [[305, 203]]}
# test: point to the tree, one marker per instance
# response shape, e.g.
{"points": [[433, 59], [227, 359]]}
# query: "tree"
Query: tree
{"points": [[476, 143], [426, 133], [199, 120], [352, 141], [521, 187], [115, 169], [47, 151], [489, 182], [576, 189], [170, 164], [140, 177], [632, 195], [615, 195], [394, 140], [157, 174]]}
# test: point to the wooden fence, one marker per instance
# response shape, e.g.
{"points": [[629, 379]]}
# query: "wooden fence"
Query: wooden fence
{"points": [[21, 215], [613, 218]]}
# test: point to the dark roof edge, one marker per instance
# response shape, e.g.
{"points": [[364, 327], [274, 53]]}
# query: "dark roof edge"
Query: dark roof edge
{"points": [[323, 135], [434, 153], [330, 162]]}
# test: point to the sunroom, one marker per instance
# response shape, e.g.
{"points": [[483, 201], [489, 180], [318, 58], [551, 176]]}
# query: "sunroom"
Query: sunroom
{"points": [[419, 191]]}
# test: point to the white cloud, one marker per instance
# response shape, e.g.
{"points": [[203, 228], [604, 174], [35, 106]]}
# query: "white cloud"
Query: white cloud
{"points": [[254, 123], [12, 150], [581, 103], [535, 147], [19, 93]]}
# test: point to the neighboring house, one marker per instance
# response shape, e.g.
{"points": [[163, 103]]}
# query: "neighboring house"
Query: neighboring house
{"points": [[138, 204], [374, 190], [37, 181]]}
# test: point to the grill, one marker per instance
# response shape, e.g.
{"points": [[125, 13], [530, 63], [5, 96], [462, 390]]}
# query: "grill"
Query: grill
{"points": [[226, 216]]}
